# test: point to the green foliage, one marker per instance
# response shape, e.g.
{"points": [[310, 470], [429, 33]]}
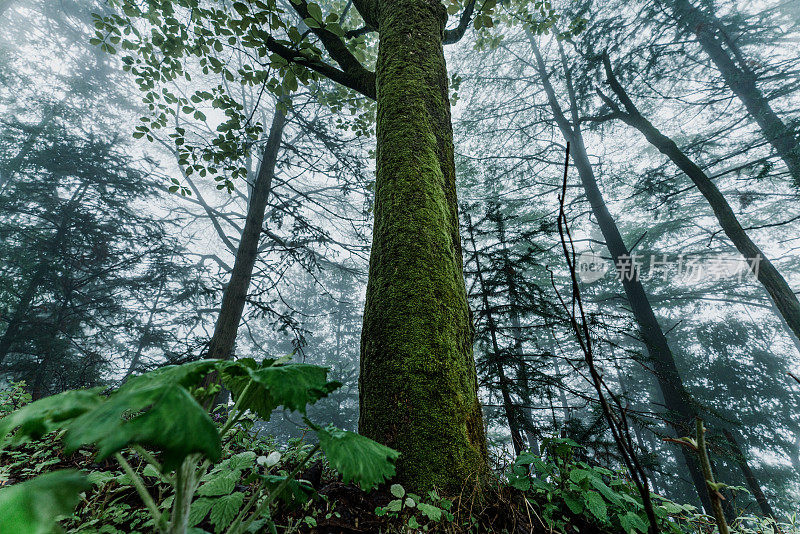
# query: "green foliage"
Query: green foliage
{"points": [[167, 418], [570, 492], [415, 512], [293, 387], [357, 458], [37, 419], [158, 411], [13, 397], [33, 507]]}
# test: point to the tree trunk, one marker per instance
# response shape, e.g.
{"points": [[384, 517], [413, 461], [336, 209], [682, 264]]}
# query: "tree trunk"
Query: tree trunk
{"points": [[681, 410], [782, 295], [235, 294], [508, 403], [418, 386], [742, 81], [749, 476]]}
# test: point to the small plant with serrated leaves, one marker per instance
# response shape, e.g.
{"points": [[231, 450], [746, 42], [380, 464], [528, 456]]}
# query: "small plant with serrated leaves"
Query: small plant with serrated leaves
{"points": [[567, 491], [416, 512], [158, 418]]}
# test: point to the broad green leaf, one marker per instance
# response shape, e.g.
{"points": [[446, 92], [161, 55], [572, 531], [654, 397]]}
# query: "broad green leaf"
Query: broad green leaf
{"points": [[596, 505], [99, 478], [397, 490], [199, 510], [434, 513], [579, 475], [525, 458], [186, 375], [243, 460], [224, 510], [315, 11], [292, 386], [607, 492], [296, 492], [32, 507], [38, 418], [357, 458], [220, 484], [240, 8], [521, 483], [632, 523], [159, 414], [575, 505]]}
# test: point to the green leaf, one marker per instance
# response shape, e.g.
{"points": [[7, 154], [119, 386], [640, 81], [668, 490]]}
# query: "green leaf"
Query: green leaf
{"points": [[357, 458], [596, 505], [32, 507], [186, 375], [575, 506], [38, 418], [240, 8], [99, 478], [521, 483], [315, 11], [397, 490], [631, 522], [579, 475], [434, 513], [290, 81], [220, 484], [224, 510], [292, 386], [296, 492], [199, 510], [607, 492], [156, 413], [243, 460]]}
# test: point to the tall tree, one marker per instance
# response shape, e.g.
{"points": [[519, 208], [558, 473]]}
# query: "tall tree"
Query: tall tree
{"points": [[782, 295], [676, 398], [418, 386], [235, 294], [723, 51]]}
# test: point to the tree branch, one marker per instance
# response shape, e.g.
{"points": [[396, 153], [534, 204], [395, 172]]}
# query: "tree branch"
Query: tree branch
{"points": [[365, 85], [455, 35]]}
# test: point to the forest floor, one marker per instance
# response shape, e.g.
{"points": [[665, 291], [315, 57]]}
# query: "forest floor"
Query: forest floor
{"points": [[113, 506]]}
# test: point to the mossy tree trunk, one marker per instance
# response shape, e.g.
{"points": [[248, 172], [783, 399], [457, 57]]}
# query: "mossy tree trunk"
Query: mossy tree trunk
{"points": [[418, 385]]}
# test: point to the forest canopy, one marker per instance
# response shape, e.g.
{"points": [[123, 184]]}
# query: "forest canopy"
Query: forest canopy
{"points": [[399, 266]]}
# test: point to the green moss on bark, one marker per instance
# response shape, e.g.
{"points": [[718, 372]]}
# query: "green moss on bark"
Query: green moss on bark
{"points": [[418, 387]]}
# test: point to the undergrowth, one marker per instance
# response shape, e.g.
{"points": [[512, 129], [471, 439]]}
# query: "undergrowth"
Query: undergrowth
{"points": [[255, 484]]}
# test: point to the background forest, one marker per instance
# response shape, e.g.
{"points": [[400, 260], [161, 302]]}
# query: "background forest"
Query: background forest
{"points": [[176, 184]]}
